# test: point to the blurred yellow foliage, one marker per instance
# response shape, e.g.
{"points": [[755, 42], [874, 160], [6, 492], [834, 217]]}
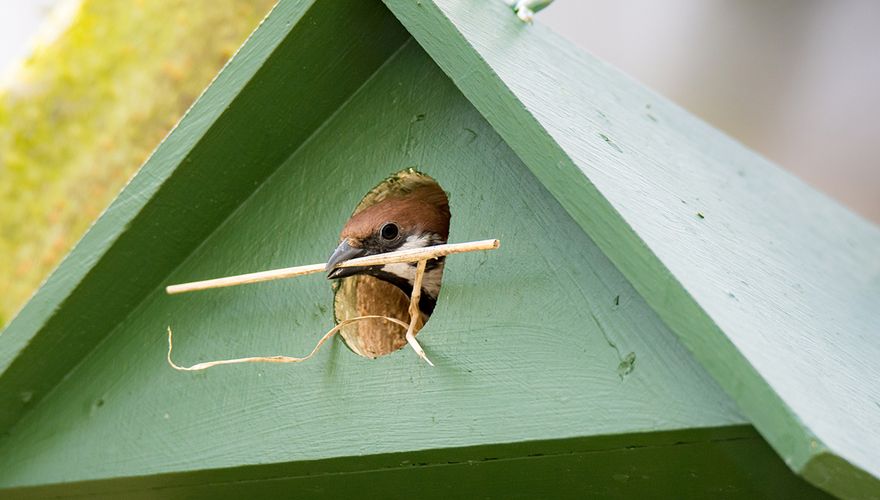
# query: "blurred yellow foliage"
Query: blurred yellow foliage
{"points": [[87, 110]]}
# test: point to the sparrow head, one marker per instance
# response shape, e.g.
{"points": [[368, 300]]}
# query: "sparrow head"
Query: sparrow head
{"points": [[418, 218]]}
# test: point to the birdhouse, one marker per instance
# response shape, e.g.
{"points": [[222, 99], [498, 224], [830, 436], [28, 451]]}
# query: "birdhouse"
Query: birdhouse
{"points": [[668, 315]]}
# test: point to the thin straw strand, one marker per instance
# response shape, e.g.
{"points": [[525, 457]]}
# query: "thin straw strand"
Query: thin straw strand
{"points": [[409, 255], [273, 359], [415, 312], [421, 255]]}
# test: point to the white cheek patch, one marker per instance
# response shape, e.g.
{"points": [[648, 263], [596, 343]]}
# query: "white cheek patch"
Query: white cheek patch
{"points": [[401, 269], [431, 279], [416, 242]]}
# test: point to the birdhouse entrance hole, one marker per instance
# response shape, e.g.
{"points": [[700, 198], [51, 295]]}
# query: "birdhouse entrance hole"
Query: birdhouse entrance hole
{"points": [[362, 294]]}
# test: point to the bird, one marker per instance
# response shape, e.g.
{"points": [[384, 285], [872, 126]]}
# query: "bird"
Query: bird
{"points": [[415, 218]]}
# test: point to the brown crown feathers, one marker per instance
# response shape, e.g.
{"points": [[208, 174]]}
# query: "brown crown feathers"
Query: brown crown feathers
{"points": [[424, 209]]}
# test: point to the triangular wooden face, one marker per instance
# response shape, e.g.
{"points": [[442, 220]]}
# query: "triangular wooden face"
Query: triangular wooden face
{"points": [[303, 62], [542, 341]]}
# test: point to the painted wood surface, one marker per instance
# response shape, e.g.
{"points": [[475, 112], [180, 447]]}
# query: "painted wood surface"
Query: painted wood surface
{"points": [[710, 463], [216, 156], [542, 339], [771, 285]]}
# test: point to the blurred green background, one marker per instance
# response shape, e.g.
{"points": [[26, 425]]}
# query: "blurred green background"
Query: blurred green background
{"points": [[83, 112]]}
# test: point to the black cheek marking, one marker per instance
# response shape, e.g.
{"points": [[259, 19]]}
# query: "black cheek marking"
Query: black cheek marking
{"points": [[427, 304], [434, 263], [431, 264], [394, 279], [375, 245]]}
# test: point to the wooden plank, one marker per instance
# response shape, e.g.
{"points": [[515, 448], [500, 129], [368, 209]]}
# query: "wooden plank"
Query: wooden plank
{"points": [[720, 463], [771, 285], [542, 339], [239, 131]]}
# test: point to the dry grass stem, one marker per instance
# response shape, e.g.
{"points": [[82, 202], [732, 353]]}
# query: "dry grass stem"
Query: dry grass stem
{"points": [[411, 255], [422, 256], [272, 359], [415, 312]]}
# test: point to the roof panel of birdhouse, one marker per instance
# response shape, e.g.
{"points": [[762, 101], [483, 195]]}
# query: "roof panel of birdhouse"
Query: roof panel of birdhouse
{"points": [[541, 340], [773, 286], [633, 235]]}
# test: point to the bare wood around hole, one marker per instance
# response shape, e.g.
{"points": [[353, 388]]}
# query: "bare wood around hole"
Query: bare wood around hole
{"points": [[411, 255]]}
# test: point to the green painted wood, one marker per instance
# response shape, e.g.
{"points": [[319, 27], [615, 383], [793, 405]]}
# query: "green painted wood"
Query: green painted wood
{"points": [[237, 133], [771, 285], [721, 463], [530, 340]]}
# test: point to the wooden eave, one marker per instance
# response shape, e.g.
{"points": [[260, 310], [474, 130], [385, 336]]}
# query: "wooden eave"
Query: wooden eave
{"points": [[771, 285]]}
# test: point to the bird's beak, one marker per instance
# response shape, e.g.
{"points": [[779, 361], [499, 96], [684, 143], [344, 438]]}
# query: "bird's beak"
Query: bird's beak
{"points": [[343, 253]]}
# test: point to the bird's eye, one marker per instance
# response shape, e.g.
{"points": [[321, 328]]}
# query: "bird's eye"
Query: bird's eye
{"points": [[389, 231]]}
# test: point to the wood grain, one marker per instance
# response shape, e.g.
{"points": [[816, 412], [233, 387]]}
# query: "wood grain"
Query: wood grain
{"points": [[773, 286], [718, 463], [541, 339], [230, 141], [550, 344]]}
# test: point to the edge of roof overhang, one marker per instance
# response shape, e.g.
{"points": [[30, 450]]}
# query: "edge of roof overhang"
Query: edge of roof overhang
{"points": [[464, 63]]}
